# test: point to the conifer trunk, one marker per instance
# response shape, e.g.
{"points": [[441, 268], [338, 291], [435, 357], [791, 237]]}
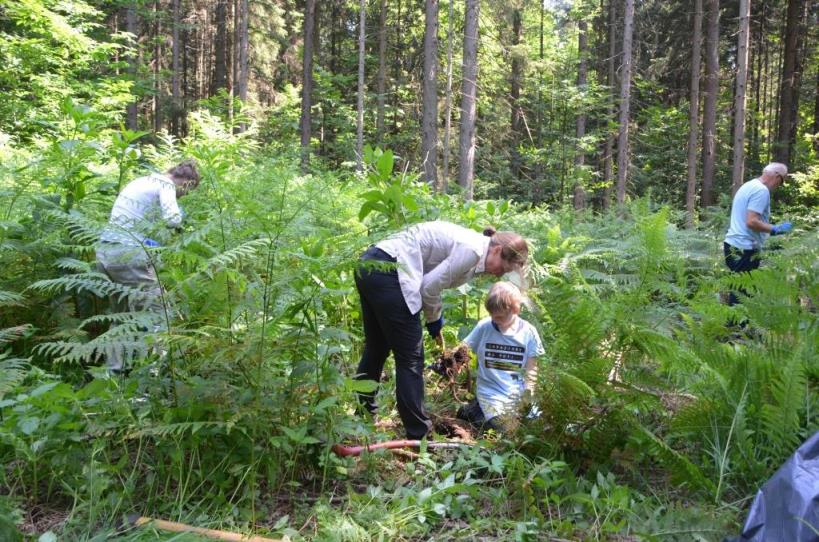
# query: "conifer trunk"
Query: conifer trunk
{"points": [[132, 27], [579, 195], [469, 90], [307, 83], [516, 120], [789, 84], [448, 101], [176, 89], [625, 95], [429, 122], [739, 103], [382, 72], [608, 153], [362, 39], [693, 116], [709, 112]]}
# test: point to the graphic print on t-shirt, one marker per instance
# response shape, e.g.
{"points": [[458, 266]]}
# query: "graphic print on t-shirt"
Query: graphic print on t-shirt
{"points": [[504, 357]]}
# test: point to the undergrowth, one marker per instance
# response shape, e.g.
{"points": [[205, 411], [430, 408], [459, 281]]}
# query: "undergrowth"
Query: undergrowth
{"points": [[659, 421]]}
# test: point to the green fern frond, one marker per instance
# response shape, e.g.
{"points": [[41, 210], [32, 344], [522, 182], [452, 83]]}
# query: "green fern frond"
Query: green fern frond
{"points": [[781, 416], [95, 283], [73, 265], [8, 299], [230, 258], [12, 372], [12, 334], [683, 470]]}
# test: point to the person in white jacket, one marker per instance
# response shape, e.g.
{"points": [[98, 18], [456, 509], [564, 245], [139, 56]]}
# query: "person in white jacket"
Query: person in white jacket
{"points": [[143, 208], [402, 276]]}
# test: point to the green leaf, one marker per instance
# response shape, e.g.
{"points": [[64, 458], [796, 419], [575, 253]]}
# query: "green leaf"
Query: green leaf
{"points": [[385, 164], [360, 386], [29, 425]]}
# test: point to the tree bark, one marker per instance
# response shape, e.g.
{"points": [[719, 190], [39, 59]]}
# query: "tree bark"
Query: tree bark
{"points": [[709, 112], [579, 195], [362, 40], [516, 75], [132, 27], [743, 40], [608, 153], [429, 122], [693, 116], [157, 66], [625, 95], [307, 83], [176, 89], [469, 90], [816, 116], [448, 100], [789, 89], [382, 72], [244, 51], [220, 48]]}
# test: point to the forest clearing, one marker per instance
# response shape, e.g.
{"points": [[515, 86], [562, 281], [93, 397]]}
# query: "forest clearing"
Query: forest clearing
{"points": [[597, 304]]}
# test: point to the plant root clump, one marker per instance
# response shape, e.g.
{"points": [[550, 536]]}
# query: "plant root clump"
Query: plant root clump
{"points": [[450, 362]]}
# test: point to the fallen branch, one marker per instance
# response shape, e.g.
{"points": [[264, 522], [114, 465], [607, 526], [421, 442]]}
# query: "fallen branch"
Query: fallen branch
{"points": [[172, 526]]}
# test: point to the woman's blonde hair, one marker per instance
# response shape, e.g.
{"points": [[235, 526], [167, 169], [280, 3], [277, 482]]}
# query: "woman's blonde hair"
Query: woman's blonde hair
{"points": [[514, 248], [504, 297]]}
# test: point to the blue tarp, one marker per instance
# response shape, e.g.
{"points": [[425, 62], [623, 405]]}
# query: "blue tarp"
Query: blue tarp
{"points": [[786, 508]]}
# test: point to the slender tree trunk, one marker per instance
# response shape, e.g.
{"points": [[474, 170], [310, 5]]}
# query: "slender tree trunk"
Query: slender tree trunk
{"points": [[608, 153], [693, 116], [579, 195], [429, 123], [307, 83], [469, 90], [382, 72], [157, 67], [758, 75], [789, 90], [739, 104], [709, 112], [362, 41], [244, 57], [220, 48], [625, 95], [816, 116], [516, 120], [132, 27], [398, 70], [448, 100], [176, 89]]}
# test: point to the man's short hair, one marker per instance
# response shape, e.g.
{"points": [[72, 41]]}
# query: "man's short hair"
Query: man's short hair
{"points": [[186, 170], [776, 168], [503, 297]]}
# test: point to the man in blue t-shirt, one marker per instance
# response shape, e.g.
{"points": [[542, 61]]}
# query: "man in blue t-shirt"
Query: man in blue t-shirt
{"points": [[750, 227]]}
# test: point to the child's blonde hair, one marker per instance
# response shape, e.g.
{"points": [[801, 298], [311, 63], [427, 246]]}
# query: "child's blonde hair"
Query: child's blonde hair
{"points": [[504, 297]]}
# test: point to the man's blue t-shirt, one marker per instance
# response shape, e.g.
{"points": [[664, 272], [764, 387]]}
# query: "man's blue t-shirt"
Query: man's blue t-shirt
{"points": [[502, 360], [752, 196]]}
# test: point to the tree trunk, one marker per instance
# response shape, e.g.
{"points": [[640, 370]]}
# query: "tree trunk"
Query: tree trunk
{"points": [[382, 72], [220, 48], [608, 153], [448, 100], [132, 27], [157, 67], [739, 103], [362, 40], [469, 90], [625, 95], [693, 116], [789, 89], [579, 196], [816, 116], [244, 54], [429, 122], [176, 89], [516, 120], [307, 82], [709, 112]]}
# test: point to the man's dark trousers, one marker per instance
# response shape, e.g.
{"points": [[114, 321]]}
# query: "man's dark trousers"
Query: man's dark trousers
{"points": [[739, 261], [390, 326]]}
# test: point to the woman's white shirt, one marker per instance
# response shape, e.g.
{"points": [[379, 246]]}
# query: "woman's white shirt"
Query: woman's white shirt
{"points": [[433, 256]]}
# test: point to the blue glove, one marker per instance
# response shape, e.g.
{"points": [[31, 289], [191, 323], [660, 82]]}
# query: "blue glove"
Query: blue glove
{"points": [[779, 229], [150, 243], [434, 328]]}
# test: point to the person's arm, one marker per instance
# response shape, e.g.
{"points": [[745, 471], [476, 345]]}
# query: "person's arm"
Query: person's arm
{"points": [[755, 222], [459, 262], [168, 206]]}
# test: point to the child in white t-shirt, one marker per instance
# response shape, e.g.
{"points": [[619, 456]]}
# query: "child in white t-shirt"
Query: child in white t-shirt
{"points": [[507, 348]]}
